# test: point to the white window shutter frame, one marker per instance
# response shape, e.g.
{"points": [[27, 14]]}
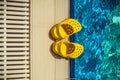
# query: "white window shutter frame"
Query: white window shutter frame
{"points": [[14, 40]]}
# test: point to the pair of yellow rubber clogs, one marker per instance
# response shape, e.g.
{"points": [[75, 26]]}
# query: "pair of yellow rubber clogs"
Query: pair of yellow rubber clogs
{"points": [[63, 30]]}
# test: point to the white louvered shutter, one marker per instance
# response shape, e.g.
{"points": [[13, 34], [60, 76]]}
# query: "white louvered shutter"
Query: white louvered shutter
{"points": [[14, 40]]}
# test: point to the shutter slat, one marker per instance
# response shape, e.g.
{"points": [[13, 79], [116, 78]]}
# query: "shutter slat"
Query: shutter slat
{"points": [[15, 53], [14, 35], [15, 62], [15, 58], [19, 79], [13, 26], [20, 0], [15, 8], [15, 71], [15, 40], [15, 4], [16, 31], [15, 13], [14, 44], [15, 17], [15, 76], [15, 22], [13, 49], [15, 67]]}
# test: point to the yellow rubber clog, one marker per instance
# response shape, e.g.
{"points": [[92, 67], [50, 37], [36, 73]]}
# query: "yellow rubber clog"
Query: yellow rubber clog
{"points": [[56, 48], [54, 32], [67, 49], [65, 28], [75, 50]]}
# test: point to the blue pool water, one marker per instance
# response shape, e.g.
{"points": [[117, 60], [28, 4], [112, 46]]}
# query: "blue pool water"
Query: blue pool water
{"points": [[100, 37]]}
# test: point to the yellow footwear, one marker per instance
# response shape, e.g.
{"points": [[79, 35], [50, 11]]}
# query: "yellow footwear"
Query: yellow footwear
{"points": [[67, 49], [54, 32], [65, 28], [56, 48], [75, 50]]}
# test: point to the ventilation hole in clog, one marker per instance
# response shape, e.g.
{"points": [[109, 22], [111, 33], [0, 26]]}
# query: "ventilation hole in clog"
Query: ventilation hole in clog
{"points": [[68, 28], [70, 48]]}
